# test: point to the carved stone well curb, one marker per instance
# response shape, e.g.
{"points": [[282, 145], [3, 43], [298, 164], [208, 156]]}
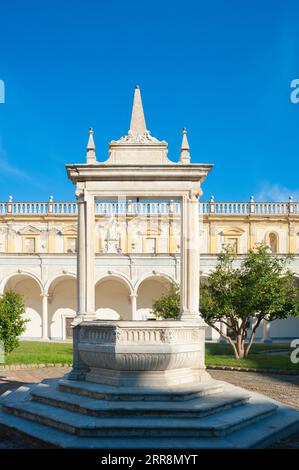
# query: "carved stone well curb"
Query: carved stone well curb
{"points": [[149, 354]]}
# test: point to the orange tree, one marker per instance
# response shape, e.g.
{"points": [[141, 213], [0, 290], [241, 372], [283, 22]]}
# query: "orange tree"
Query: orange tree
{"points": [[260, 289]]}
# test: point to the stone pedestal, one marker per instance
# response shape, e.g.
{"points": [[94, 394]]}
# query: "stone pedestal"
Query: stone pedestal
{"points": [[141, 354]]}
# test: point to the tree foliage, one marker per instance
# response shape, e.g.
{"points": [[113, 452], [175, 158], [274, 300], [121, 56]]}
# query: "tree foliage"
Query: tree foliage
{"points": [[168, 305], [260, 289], [12, 323]]}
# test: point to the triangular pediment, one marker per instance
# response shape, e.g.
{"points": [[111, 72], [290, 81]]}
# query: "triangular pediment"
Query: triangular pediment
{"points": [[30, 230], [69, 230]]}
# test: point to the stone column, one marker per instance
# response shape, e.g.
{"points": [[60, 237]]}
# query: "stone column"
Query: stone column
{"points": [[90, 258], [292, 238], [81, 261], [223, 329], [266, 332], [190, 257], [45, 334], [212, 238], [133, 298]]}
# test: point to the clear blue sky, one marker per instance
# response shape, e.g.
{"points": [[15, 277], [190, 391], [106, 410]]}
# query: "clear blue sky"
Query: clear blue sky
{"points": [[222, 69]]}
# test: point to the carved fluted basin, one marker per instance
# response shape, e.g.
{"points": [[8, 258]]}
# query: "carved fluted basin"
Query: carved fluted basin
{"points": [[134, 352]]}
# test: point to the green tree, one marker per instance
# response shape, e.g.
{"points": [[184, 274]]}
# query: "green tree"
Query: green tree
{"points": [[12, 323], [261, 288], [168, 305]]}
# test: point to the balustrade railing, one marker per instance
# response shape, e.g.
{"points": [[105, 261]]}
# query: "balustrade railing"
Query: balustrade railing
{"points": [[38, 208], [151, 208]]}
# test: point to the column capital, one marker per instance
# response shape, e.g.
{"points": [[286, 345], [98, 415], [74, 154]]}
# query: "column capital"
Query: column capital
{"points": [[79, 196], [195, 194], [79, 193]]}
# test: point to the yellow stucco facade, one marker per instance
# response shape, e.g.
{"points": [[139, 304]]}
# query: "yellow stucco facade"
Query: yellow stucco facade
{"points": [[54, 229]]}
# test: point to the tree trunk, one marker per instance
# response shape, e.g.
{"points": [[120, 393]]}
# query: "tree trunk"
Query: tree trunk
{"points": [[251, 339], [226, 337], [240, 346]]}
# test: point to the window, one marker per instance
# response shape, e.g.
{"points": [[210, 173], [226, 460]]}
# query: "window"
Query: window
{"points": [[68, 328], [273, 242], [150, 246], [71, 245], [30, 245]]}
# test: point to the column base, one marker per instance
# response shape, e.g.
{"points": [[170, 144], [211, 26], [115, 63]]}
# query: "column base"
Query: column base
{"points": [[151, 379], [78, 374], [80, 317], [192, 317]]}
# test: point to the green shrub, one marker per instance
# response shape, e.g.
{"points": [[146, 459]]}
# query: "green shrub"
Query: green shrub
{"points": [[12, 323], [168, 305]]}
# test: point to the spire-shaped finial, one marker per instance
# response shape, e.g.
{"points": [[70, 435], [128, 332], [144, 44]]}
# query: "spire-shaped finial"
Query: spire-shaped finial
{"points": [[185, 149], [137, 125], [91, 154]]}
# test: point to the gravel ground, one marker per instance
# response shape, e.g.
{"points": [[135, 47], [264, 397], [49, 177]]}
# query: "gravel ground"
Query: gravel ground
{"points": [[284, 388]]}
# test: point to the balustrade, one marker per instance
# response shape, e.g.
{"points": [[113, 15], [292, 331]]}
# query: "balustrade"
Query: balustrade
{"points": [[151, 208]]}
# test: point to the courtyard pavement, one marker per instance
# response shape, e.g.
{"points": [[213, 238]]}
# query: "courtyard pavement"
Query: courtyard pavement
{"points": [[284, 388]]}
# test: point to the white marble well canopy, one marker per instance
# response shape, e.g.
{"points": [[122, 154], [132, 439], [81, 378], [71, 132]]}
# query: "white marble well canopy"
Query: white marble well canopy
{"points": [[138, 167]]}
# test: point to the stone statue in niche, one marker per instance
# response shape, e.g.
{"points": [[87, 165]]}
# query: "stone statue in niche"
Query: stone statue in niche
{"points": [[112, 238]]}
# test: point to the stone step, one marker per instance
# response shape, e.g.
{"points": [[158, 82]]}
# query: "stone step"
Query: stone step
{"points": [[106, 392], [219, 424], [255, 433], [258, 435], [198, 407]]}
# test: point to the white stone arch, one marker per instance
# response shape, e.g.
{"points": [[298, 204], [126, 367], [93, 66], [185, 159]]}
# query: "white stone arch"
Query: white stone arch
{"points": [[117, 275], [61, 293], [5, 280], [149, 288], [150, 275], [30, 288], [55, 277], [113, 297]]}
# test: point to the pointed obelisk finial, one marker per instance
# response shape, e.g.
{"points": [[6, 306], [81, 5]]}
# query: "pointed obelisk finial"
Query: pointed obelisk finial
{"points": [[185, 149], [91, 154], [137, 125]]}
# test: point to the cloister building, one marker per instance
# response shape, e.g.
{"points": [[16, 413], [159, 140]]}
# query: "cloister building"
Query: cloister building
{"points": [[137, 255], [137, 251]]}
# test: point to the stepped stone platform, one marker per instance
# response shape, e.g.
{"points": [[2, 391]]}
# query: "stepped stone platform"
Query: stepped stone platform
{"points": [[76, 414], [143, 386]]}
